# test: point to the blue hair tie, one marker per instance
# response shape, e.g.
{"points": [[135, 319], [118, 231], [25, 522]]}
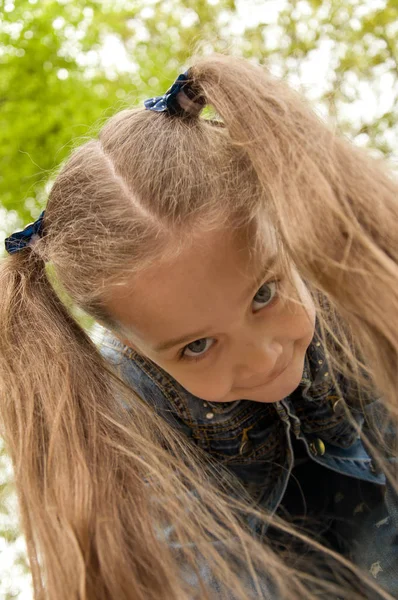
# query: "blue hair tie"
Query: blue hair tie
{"points": [[23, 239], [180, 99]]}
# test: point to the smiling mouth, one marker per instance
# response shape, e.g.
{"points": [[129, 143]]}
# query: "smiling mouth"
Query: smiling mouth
{"points": [[272, 378]]}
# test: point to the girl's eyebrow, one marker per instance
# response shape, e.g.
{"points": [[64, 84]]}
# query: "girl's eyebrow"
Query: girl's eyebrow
{"points": [[163, 346]]}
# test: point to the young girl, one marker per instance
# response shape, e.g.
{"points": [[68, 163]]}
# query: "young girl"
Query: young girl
{"points": [[232, 435]]}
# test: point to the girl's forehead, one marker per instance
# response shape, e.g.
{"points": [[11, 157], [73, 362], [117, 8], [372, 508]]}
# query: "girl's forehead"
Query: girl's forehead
{"points": [[191, 286], [220, 253]]}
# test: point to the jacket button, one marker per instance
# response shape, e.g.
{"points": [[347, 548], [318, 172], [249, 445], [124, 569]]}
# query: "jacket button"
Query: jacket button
{"points": [[209, 415], [317, 447]]}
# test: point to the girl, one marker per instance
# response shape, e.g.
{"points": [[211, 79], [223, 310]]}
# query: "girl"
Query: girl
{"points": [[245, 270]]}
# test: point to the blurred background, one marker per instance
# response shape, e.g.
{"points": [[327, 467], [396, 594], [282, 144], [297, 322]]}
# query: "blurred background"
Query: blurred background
{"points": [[65, 67]]}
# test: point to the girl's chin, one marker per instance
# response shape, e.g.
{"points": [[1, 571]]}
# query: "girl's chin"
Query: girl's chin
{"points": [[270, 397]]}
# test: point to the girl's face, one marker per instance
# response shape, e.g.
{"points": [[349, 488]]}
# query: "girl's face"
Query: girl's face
{"points": [[224, 328]]}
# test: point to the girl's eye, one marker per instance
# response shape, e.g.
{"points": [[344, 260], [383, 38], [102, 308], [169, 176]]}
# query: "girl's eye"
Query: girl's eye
{"points": [[199, 349], [266, 293]]}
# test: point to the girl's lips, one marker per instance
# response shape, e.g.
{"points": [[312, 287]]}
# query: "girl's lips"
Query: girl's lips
{"points": [[272, 378]]}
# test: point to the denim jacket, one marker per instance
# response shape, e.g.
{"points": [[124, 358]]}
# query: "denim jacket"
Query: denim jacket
{"points": [[254, 439]]}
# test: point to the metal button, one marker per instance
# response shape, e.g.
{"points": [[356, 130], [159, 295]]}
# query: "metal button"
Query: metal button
{"points": [[209, 415], [317, 447], [320, 446]]}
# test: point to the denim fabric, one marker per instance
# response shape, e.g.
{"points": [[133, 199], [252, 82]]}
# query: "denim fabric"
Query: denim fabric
{"points": [[263, 443]]}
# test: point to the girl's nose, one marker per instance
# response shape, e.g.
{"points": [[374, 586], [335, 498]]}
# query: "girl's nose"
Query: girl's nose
{"points": [[258, 361]]}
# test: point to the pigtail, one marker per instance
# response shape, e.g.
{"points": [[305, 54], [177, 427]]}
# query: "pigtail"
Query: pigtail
{"points": [[334, 207]]}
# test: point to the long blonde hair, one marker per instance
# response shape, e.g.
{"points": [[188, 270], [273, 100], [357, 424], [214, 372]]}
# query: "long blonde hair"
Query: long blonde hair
{"points": [[98, 484]]}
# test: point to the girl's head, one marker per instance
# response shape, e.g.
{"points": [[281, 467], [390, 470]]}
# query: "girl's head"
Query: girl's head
{"points": [[167, 227], [223, 324]]}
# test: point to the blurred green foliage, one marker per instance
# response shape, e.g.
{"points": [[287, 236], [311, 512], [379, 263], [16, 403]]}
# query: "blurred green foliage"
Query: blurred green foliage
{"points": [[58, 82]]}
